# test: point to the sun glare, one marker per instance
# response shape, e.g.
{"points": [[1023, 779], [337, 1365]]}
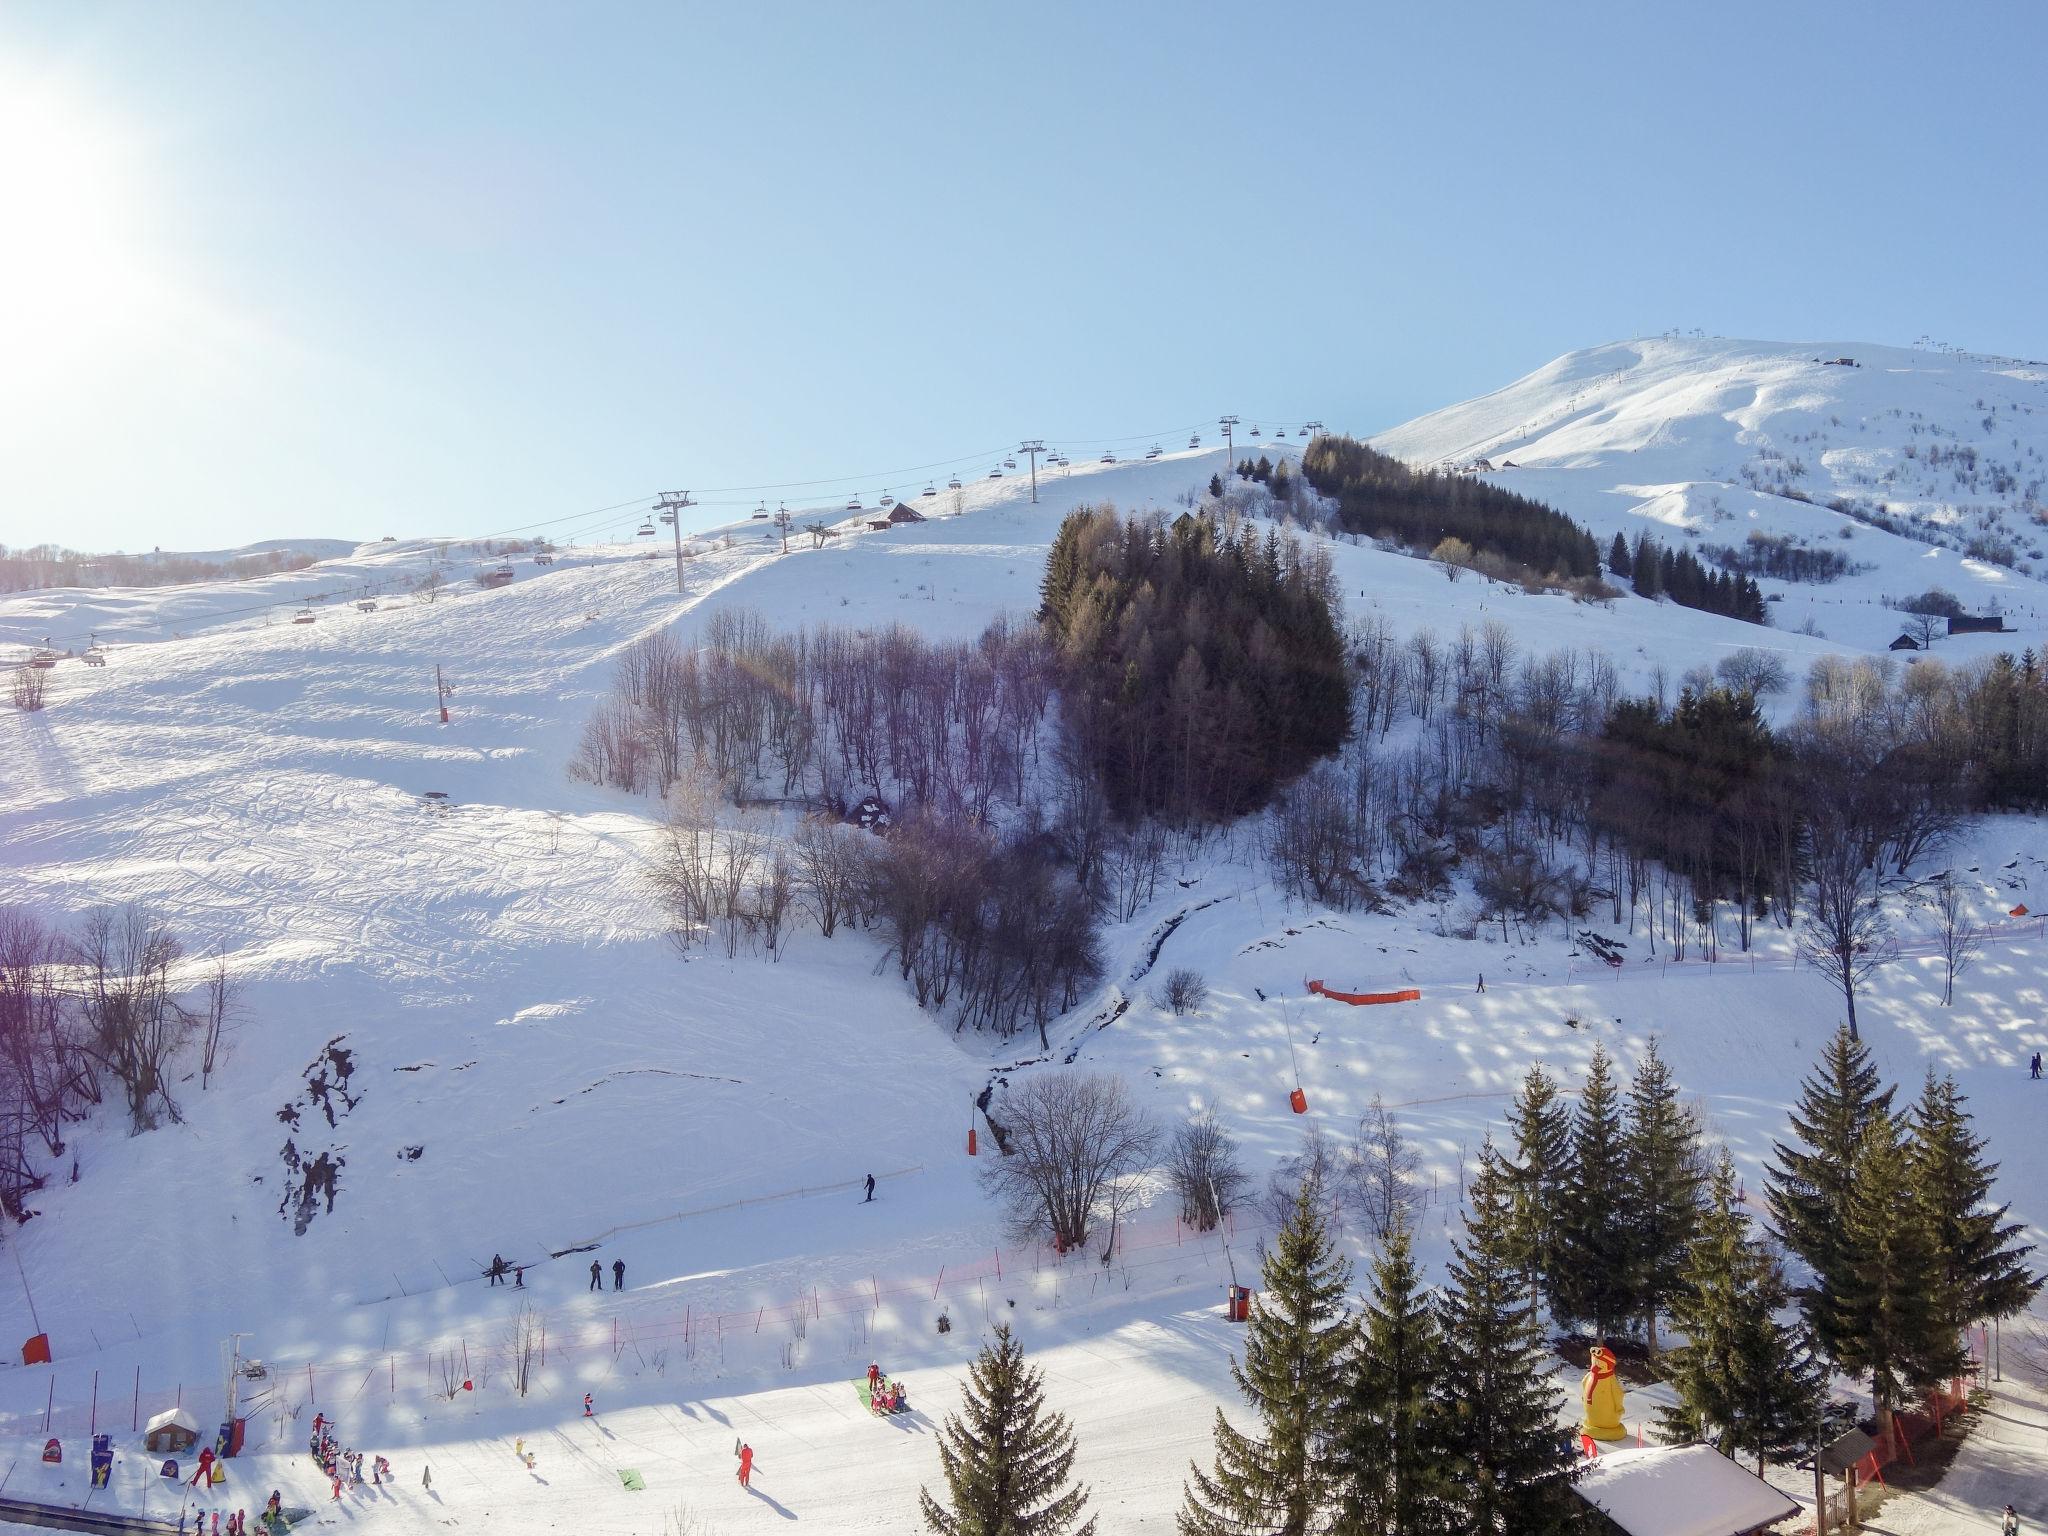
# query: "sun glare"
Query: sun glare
{"points": [[69, 277]]}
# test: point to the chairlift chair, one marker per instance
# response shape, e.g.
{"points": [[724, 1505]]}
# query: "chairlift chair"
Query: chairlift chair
{"points": [[996, 473], [931, 490], [888, 500], [1194, 439], [1152, 452], [953, 484], [647, 530], [1109, 458], [853, 505], [1257, 433], [1009, 463], [668, 519]]}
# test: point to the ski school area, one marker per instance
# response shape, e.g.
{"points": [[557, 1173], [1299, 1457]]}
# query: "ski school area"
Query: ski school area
{"points": [[613, 1407]]}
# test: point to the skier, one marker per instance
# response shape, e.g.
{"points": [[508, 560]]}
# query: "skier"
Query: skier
{"points": [[871, 1189], [1482, 982], [2034, 1070], [518, 1277], [589, 1408], [274, 1510], [427, 1478], [2011, 1527], [596, 1276], [496, 1272], [874, 1377], [746, 1464], [201, 1478], [618, 1274]]}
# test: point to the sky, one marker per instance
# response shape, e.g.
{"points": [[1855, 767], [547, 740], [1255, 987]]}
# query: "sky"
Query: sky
{"points": [[387, 268]]}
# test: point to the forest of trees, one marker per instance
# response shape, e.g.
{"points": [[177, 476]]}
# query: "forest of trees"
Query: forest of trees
{"points": [[1777, 555], [1552, 793], [1381, 497], [1198, 671]]}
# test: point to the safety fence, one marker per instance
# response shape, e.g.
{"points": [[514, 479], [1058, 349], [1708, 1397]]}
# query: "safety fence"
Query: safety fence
{"points": [[1909, 1427], [2008, 930]]}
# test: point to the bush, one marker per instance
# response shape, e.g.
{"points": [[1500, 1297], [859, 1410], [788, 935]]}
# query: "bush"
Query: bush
{"points": [[27, 688], [1077, 1143], [1204, 1170], [1185, 992]]}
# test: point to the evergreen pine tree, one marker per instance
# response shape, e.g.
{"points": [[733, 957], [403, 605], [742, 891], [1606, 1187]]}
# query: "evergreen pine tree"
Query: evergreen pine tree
{"points": [[1661, 1198], [1888, 1313], [1594, 1280], [1216, 487], [1618, 561], [1006, 1459], [1297, 1344], [1745, 1381], [1387, 1451], [1541, 1178], [1984, 1267], [1506, 1460], [1810, 1182]]}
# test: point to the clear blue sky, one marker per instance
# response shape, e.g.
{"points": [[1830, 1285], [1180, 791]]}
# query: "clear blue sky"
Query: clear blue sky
{"points": [[355, 269]]}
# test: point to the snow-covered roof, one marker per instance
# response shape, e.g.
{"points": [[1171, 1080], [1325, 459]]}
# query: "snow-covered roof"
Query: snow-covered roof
{"points": [[172, 1417], [1680, 1490]]}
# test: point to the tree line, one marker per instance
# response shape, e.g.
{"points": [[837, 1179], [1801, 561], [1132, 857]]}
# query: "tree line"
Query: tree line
{"points": [[1653, 571], [51, 565], [106, 1007], [1382, 497]]}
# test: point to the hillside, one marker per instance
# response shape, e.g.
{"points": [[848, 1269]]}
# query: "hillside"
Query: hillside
{"points": [[532, 1068]]}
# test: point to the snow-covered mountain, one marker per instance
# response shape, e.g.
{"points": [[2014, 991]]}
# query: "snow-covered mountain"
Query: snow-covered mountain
{"points": [[1925, 469], [532, 1070]]}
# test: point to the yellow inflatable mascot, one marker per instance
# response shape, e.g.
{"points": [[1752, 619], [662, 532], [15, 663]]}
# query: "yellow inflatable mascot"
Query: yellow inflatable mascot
{"points": [[1602, 1391]]}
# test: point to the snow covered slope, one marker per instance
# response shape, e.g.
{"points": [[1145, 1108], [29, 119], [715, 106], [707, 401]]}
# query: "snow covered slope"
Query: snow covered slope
{"points": [[1711, 440], [532, 1068]]}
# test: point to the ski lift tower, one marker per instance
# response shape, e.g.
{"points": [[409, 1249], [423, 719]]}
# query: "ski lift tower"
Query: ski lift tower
{"points": [[671, 507], [1034, 447], [1229, 425], [231, 1358]]}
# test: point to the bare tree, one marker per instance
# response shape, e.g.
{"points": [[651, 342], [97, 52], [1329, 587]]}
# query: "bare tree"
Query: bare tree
{"points": [[1960, 939], [522, 1347], [1184, 991], [221, 1005], [1318, 1167], [1075, 1143], [1845, 934], [27, 686], [135, 1023], [1382, 1173], [429, 586], [1755, 672], [1203, 1167]]}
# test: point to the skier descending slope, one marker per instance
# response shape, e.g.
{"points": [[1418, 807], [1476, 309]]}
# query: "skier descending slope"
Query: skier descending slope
{"points": [[746, 1464]]}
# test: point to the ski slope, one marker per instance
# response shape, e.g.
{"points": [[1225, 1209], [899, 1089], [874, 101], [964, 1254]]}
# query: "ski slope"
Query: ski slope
{"points": [[512, 1010]]}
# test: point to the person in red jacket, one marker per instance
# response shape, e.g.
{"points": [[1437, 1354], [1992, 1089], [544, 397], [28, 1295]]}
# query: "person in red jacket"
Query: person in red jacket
{"points": [[746, 1464], [205, 1472]]}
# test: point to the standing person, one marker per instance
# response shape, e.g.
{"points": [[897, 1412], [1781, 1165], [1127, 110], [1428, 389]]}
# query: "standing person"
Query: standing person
{"points": [[2035, 1068], [746, 1464], [1482, 983], [496, 1273], [871, 1189], [589, 1407], [518, 1277], [202, 1477], [596, 1276], [618, 1274], [427, 1478], [2011, 1526]]}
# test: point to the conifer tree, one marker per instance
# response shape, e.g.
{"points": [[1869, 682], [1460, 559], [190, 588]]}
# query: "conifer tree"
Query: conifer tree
{"points": [[1594, 1281], [1541, 1179], [1889, 1311], [1661, 1198], [1745, 1382], [1810, 1181], [1006, 1459], [1618, 561], [1281, 1480], [1388, 1450], [1505, 1458], [1984, 1267], [1216, 487]]}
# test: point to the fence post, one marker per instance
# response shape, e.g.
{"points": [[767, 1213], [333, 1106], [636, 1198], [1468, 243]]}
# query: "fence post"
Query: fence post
{"points": [[543, 1344], [999, 1263], [135, 1417], [93, 1422], [311, 1395], [50, 1402]]}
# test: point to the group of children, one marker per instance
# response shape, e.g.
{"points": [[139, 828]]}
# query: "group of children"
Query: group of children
{"points": [[272, 1519], [344, 1468], [884, 1395]]}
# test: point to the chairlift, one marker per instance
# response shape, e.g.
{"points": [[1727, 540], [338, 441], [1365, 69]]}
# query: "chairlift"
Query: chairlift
{"points": [[647, 530], [1194, 439], [1152, 452], [1009, 463], [854, 505], [996, 473], [1109, 458], [953, 484], [931, 490], [760, 513], [668, 519], [1257, 433], [888, 500]]}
